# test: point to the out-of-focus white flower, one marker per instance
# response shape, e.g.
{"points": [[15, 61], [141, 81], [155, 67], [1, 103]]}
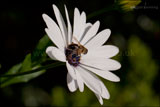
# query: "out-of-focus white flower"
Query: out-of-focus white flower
{"points": [[83, 51]]}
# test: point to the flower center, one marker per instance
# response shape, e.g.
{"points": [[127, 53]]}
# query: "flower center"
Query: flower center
{"points": [[73, 53]]}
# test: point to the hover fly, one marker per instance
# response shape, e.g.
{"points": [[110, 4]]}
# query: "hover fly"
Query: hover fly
{"points": [[73, 52]]}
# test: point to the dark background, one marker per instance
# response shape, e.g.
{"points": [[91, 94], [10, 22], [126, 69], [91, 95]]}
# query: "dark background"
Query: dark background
{"points": [[21, 27]]}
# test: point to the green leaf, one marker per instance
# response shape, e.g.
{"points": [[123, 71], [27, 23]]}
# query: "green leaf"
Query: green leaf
{"points": [[13, 70], [27, 64], [19, 68], [39, 53]]}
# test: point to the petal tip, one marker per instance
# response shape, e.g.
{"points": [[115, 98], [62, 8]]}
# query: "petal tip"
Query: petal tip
{"points": [[117, 79], [81, 90], [47, 50], [54, 6], [118, 65], [117, 49], [76, 10], [50, 48], [106, 95], [83, 13], [46, 30], [44, 16], [98, 23], [108, 31]]}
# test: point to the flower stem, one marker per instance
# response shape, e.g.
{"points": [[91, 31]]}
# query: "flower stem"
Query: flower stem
{"points": [[35, 70]]}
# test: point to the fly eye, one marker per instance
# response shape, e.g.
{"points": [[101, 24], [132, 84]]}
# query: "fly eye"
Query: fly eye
{"points": [[72, 47]]}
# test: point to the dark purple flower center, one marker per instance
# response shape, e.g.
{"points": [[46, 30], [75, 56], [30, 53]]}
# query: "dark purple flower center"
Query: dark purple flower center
{"points": [[72, 54]]}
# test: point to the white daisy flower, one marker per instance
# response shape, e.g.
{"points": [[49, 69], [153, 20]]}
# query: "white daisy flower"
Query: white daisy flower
{"points": [[83, 51]]}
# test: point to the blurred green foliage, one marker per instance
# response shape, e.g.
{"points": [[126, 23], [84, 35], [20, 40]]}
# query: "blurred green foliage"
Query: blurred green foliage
{"points": [[31, 62], [26, 65], [39, 53]]}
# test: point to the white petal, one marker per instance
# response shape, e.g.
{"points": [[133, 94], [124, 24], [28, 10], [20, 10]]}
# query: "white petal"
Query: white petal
{"points": [[101, 63], [56, 53], [82, 25], [87, 27], [79, 81], [99, 99], [60, 22], [106, 51], [49, 52], [104, 74], [88, 24], [54, 32], [91, 33], [105, 94], [69, 27], [99, 39], [71, 83], [76, 23], [71, 71], [90, 80]]}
